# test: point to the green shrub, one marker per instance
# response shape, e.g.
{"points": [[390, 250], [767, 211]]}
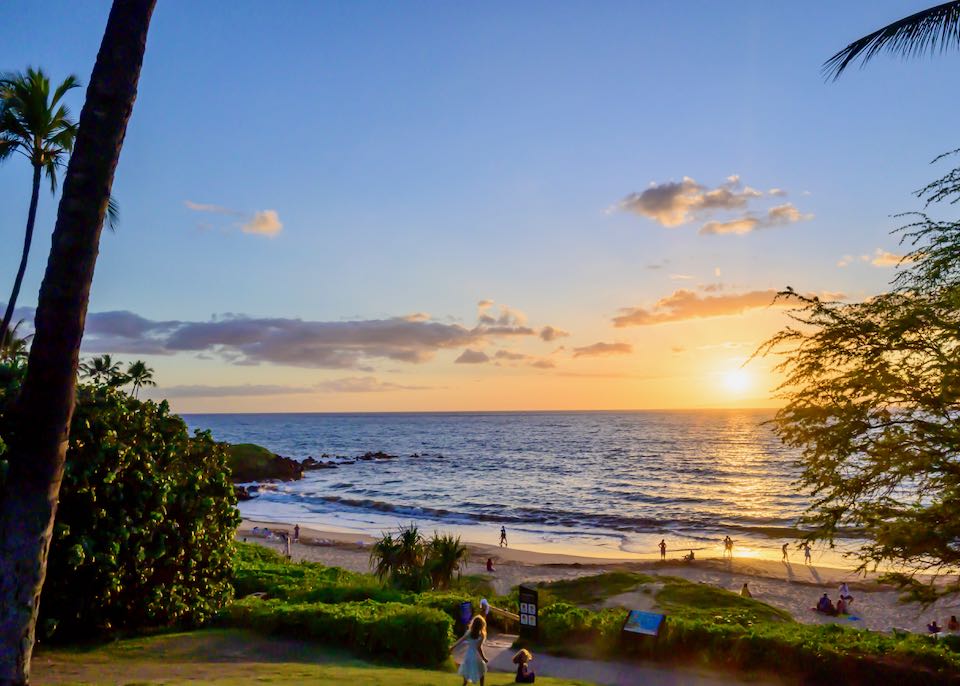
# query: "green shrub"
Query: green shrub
{"points": [[144, 528], [406, 633]]}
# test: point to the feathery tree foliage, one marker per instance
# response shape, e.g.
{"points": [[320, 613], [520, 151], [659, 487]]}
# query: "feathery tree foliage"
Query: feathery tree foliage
{"points": [[102, 370], [872, 393], [139, 375], [409, 561], [930, 30], [13, 348]]}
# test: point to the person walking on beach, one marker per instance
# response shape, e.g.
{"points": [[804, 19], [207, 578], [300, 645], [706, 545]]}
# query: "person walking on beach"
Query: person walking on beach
{"points": [[784, 549], [296, 533], [806, 552], [503, 537], [727, 546], [663, 549]]}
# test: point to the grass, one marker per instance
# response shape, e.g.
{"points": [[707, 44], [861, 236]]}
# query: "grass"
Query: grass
{"points": [[231, 658]]}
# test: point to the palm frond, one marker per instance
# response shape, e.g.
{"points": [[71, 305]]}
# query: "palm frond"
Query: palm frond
{"points": [[935, 28], [113, 213]]}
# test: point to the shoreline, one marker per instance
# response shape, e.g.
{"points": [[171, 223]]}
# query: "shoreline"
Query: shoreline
{"points": [[793, 587]]}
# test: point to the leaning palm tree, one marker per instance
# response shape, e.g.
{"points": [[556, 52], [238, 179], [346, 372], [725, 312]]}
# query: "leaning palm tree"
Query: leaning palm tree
{"points": [[36, 124], [930, 30], [36, 454], [139, 375], [102, 370]]}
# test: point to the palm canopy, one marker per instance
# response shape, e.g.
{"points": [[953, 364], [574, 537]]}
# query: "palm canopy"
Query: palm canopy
{"points": [[102, 370], [139, 375], [930, 30], [34, 122]]}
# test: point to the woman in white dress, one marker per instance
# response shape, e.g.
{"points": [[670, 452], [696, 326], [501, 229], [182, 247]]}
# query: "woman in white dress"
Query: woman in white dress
{"points": [[473, 669]]}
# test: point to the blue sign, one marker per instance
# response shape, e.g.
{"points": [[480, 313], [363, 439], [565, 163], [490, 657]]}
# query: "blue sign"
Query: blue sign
{"points": [[646, 623]]}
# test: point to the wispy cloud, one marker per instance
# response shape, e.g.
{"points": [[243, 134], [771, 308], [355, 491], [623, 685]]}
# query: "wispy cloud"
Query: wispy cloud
{"points": [[879, 258], [352, 384], [469, 356], [673, 204], [215, 209], [603, 350]]}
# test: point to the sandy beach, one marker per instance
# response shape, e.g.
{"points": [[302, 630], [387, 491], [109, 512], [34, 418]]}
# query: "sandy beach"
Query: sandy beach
{"points": [[792, 586]]}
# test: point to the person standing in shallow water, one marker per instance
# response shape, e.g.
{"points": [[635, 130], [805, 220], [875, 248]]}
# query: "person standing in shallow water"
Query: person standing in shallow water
{"points": [[503, 537], [663, 549]]}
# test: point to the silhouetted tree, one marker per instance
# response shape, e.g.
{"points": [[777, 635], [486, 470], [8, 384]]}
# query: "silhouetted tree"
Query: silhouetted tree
{"points": [[102, 370], [139, 375], [37, 448]]}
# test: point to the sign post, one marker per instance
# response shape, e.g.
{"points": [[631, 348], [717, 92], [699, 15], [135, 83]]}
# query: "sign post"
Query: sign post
{"points": [[529, 612]]}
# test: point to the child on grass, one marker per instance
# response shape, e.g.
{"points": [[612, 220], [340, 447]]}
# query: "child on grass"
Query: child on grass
{"points": [[521, 660], [473, 669]]}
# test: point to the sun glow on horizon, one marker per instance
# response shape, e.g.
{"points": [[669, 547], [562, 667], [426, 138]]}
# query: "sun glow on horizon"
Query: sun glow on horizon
{"points": [[737, 380]]}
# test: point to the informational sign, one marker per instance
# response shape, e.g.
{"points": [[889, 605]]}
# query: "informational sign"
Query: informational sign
{"points": [[646, 623], [529, 612]]}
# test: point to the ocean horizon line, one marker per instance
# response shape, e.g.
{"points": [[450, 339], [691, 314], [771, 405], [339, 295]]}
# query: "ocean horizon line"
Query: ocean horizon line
{"points": [[487, 412]]}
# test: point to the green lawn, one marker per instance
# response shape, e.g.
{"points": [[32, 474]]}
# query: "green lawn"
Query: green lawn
{"points": [[231, 658]]}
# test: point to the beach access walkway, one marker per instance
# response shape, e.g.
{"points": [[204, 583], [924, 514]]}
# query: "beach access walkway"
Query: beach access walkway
{"points": [[500, 654]]}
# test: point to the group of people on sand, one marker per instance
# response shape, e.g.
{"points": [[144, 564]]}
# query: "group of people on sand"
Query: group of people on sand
{"points": [[473, 668], [807, 559], [953, 626], [825, 604]]}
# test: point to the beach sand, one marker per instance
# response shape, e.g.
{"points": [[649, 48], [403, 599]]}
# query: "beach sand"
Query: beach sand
{"points": [[793, 586]]}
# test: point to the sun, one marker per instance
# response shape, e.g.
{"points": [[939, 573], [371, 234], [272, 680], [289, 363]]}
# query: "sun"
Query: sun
{"points": [[737, 380]]}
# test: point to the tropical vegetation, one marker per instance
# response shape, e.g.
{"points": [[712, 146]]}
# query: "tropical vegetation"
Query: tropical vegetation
{"points": [[407, 560], [872, 402]]}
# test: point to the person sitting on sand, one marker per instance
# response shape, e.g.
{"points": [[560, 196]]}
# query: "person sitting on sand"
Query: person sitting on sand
{"points": [[524, 675], [934, 628], [826, 606], [490, 567], [953, 624], [473, 669], [745, 591], [689, 558], [842, 606]]}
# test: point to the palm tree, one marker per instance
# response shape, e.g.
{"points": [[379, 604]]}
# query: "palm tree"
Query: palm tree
{"points": [[13, 348], [930, 30], [384, 556], [103, 370], [445, 556], [36, 124], [37, 451], [139, 375]]}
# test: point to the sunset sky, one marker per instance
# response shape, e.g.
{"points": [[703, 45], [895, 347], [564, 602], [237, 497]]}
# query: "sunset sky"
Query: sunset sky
{"points": [[483, 206]]}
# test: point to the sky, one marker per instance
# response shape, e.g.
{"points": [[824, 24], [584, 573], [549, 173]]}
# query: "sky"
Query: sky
{"points": [[372, 206]]}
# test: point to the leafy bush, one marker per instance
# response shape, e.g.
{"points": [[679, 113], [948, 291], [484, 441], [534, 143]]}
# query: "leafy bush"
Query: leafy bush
{"points": [[144, 528], [407, 633]]}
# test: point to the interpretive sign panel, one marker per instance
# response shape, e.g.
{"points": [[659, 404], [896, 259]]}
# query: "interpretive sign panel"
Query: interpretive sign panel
{"points": [[529, 611], [646, 623]]}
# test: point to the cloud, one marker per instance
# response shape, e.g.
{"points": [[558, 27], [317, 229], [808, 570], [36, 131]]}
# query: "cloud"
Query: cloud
{"points": [[202, 391], [265, 223], [551, 333], [681, 277], [505, 317], [509, 355], [245, 340], [879, 258], [603, 349], [363, 384], [469, 356], [685, 304], [780, 215], [416, 317], [484, 304], [673, 204], [543, 364], [215, 209]]}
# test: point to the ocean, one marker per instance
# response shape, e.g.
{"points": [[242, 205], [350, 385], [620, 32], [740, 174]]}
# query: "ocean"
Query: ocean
{"points": [[608, 484]]}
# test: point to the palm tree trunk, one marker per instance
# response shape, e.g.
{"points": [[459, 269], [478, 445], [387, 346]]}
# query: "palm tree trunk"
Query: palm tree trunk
{"points": [[27, 240], [28, 497]]}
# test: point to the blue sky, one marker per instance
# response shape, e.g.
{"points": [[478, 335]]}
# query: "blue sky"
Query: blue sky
{"points": [[424, 156]]}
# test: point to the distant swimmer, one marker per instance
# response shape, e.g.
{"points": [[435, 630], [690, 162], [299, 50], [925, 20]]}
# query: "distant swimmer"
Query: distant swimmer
{"points": [[503, 536], [663, 549]]}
